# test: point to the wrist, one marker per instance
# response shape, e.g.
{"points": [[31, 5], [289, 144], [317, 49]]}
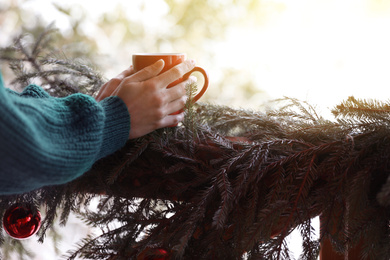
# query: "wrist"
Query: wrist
{"points": [[116, 127]]}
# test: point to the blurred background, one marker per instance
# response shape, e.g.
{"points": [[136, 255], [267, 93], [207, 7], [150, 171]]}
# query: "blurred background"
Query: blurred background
{"points": [[320, 51]]}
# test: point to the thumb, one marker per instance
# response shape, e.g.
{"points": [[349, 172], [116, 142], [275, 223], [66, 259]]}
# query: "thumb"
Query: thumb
{"points": [[149, 71]]}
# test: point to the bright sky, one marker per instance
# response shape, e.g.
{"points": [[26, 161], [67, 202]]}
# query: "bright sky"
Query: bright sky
{"points": [[321, 51]]}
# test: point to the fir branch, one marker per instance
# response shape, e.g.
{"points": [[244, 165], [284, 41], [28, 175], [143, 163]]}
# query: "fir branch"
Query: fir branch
{"points": [[37, 60], [370, 109], [133, 154], [305, 110], [225, 189]]}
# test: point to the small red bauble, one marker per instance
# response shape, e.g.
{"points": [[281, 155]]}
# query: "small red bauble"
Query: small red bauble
{"points": [[21, 221]]}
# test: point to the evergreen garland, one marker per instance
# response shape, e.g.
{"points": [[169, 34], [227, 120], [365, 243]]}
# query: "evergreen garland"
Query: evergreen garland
{"points": [[228, 182]]}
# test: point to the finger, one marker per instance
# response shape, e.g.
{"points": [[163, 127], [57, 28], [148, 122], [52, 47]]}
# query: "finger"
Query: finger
{"points": [[175, 73], [149, 71], [180, 89], [176, 91], [112, 84], [176, 105], [192, 79], [107, 89], [128, 72]]}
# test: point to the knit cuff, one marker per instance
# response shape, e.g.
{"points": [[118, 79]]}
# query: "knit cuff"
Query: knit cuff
{"points": [[116, 127]]}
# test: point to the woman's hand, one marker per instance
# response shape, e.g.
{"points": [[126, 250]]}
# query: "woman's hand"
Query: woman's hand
{"points": [[110, 86], [149, 102]]}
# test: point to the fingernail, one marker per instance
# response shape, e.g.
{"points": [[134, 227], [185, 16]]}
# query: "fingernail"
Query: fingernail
{"points": [[160, 61]]}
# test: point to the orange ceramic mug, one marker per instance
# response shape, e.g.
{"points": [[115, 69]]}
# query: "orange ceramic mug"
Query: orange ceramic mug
{"points": [[142, 60]]}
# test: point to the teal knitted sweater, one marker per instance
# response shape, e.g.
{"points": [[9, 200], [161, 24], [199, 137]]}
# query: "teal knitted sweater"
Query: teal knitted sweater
{"points": [[46, 140]]}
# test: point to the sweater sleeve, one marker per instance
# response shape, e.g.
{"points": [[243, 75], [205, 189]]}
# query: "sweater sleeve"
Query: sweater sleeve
{"points": [[47, 140]]}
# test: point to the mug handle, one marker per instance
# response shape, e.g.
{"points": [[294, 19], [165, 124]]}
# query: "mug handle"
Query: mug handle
{"points": [[205, 85]]}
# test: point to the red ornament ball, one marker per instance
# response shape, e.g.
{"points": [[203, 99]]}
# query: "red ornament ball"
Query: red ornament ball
{"points": [[21, 221]]}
